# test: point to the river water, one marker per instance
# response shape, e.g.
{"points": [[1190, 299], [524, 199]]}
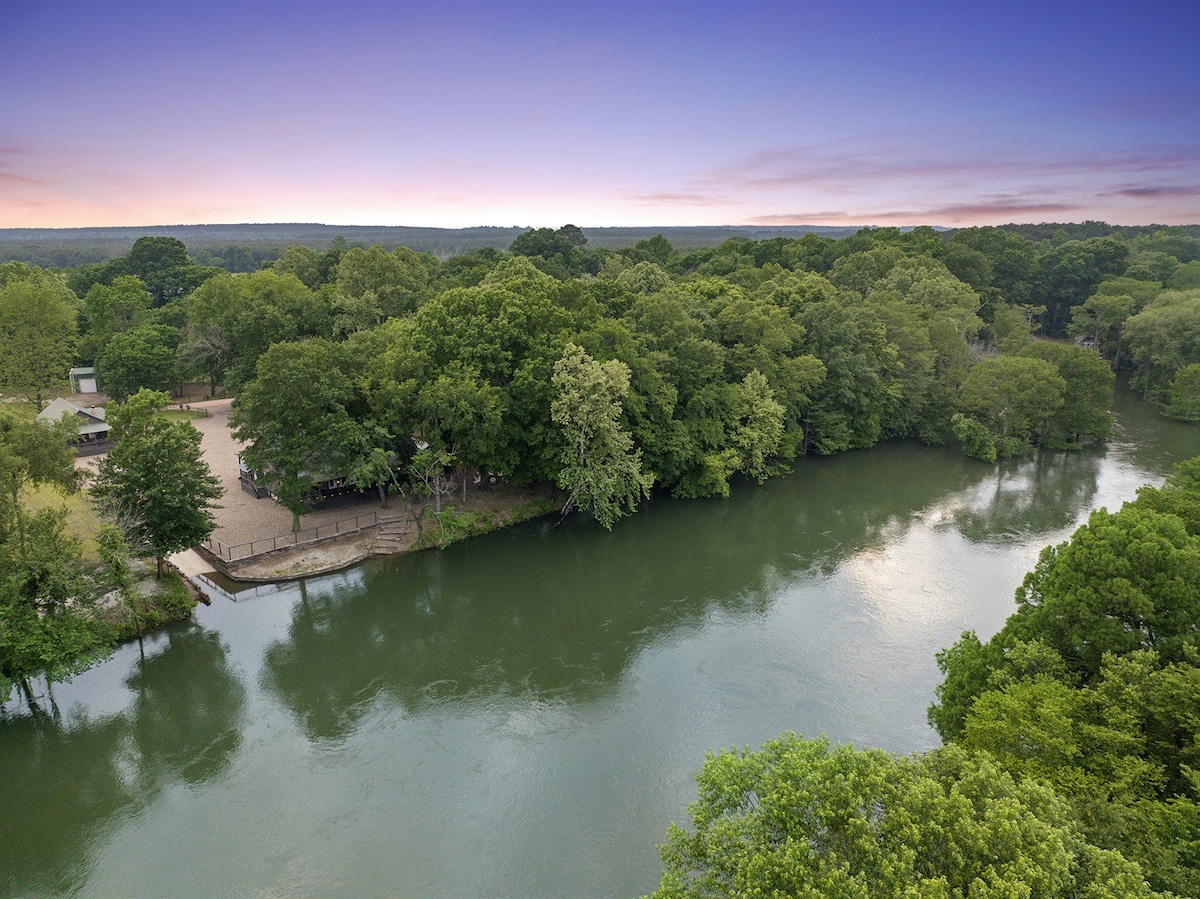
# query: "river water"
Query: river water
{"points": [[522, 715]]}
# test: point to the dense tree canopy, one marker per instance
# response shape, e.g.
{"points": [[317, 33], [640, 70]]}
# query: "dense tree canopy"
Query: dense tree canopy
{"points": [[1093, 685], [798, 818], [882, 334]]}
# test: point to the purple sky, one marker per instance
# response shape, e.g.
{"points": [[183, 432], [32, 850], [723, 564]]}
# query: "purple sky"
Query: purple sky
{"points": [[598, 113]]}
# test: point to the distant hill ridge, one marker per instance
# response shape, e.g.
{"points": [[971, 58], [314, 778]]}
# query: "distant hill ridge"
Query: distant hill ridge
{"points": [[68, 247], [76, 246]]}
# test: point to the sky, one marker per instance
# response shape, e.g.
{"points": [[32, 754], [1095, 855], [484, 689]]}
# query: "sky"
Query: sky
{"points": [[458, 114]]}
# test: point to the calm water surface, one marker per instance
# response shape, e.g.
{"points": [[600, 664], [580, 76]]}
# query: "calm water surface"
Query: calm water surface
{"points": [[522, 715]]}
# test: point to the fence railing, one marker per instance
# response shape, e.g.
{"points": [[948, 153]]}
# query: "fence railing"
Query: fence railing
{"points": [[296, 538]]}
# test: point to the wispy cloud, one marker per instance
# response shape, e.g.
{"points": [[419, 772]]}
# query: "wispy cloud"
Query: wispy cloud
{"points": [[1158, 190], [679, 198], [946, 214], [851, 168]]}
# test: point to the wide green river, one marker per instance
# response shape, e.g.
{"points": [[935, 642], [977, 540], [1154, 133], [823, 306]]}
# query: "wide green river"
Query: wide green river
{"points": [[522, 715]]}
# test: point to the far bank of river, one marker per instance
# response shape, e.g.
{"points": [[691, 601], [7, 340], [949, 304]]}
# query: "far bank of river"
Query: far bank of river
{"points": [[522, 714]]}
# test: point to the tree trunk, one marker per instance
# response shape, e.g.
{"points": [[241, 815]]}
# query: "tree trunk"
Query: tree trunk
{"points": [[27, 692]]}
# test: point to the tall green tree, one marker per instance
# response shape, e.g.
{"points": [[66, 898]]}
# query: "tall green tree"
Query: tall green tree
{"points": [[155, 481], [1013, 396], [37, 340], [1163, 338], [295, 421], [601, 469], [110, 309], [32, 452], [48, 621], [1087, 392], [144, 357]]}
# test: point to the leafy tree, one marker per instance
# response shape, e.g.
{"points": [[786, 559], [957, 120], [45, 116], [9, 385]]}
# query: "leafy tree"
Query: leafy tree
{"points": [[143, 357], [48, 621], [601, 470], [155, 480], [1087, 392], [1014, 396], [1073, 271], [110, 309], [1102, 317], [37, 340], [976, 438], [152, 255], [1012, 259], [250, 312], [32, 452], [1183, 396], [1185, 276], [463, 415], [303, 262], [758, 426], [1126, 580], [373, 285], [206, 351], [1163, 338], [797, 818], [295, 421]]}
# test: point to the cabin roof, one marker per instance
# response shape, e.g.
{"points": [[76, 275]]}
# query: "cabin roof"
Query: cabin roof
{"points": [[89, 420]]}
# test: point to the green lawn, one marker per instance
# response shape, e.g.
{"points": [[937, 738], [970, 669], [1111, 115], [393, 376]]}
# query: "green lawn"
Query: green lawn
{"points": [[82, 519]]}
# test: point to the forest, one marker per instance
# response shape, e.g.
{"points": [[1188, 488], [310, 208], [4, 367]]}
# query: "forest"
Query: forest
{"points": [[615, 372]]}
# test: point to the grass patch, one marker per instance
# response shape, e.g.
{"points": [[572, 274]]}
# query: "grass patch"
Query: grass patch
{"points": [[82, 518]]}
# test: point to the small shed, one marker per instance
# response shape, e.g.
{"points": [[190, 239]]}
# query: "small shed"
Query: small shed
{"points": [[90, 423], [83, 380]]}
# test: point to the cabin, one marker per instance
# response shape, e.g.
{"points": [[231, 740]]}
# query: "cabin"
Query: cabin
{"points": [[91, 428], [254, 483]]}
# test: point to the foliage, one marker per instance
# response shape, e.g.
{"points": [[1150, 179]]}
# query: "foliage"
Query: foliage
{"points": [[47, 600], [155, 480], [1163, 338], [32, 452], [1183, 396], [1014, 396], [295, 420], [1093, 685], [601, 470], [143, 357], [797, 818], [37, 340]]}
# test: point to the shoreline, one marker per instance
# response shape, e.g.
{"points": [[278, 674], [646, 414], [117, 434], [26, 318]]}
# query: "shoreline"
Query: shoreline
{"points": [[484, 511]]}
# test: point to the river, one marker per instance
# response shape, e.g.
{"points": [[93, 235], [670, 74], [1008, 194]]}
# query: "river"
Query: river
{"points": [[522, 715]]}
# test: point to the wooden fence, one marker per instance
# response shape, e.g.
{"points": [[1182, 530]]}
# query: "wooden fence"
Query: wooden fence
{"points": [[296, 538]]}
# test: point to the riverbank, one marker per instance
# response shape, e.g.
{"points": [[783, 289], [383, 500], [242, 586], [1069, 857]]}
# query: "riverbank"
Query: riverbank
{"points": [[483, 511], [241, 518]]}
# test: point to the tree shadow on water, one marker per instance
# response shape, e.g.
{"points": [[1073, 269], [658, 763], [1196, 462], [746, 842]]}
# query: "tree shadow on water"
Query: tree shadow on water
{"points": [[67, 781]]}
